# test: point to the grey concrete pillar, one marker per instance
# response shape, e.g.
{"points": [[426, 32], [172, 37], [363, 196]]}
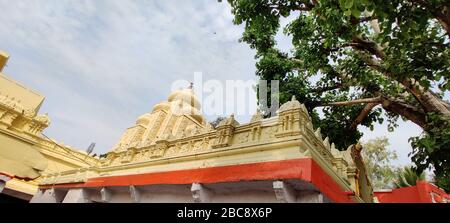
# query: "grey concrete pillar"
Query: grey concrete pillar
{"points": [[284, 192], [106, 195], [135, 194], [200, 193], [77, 196], [37, 197], [48, 196], [3, 180], [309, 196], [2, 186]]}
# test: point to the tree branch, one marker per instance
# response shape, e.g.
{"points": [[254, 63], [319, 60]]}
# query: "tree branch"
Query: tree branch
{"points": [[376, 100], [364, 113], [356, 21], [367, 19], [327, 88], [411, 114], [342, 46], [295, 60], [425, 97], [429, 101], [303, 6], [441, 13], [370, 46]]}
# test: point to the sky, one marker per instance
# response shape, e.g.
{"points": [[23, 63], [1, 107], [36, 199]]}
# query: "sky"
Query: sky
{"points": [[103, 63]]}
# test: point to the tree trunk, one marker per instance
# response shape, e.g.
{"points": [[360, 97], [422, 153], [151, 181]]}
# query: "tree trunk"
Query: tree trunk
{"points": [[443, 16], [362, 115], [418, 117], [429, 101]]}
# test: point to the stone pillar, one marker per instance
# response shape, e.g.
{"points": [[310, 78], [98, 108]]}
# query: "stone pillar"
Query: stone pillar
{"points": [[2, 185], [37, 197], [77, 196], [309, 196], [48, 196], [200, 193], [3, 180], [284, 192], [106, 195], [135, 194]]}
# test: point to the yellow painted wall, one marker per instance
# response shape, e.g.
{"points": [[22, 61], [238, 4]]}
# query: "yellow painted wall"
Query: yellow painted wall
{"points": [[24, 151]]}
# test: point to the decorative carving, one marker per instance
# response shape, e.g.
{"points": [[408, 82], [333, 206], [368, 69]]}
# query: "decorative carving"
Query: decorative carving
{"points": [[79, 176], [8, 118], [225, 132], [159, 150], [290, 105], [178, 147], [43, 119], [30, 113], [326, 143], [172, 151], [269, 132], [229, 122], [334, 151], [128, 156], [37, 125], [2, 113], [109, 159], [256, 132], [11, 103], [208, 128], [243, 138], [191, 130], [137, 137], [198, 146], [184, 149], [205, 143], [347, 155], [318, 134], [289, 119], [190, 145], [257, 117]]}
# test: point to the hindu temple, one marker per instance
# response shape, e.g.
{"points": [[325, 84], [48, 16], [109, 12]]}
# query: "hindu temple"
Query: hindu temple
{"points": [[172, 154]]}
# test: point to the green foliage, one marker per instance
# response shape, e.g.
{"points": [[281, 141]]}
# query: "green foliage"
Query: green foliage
{"points": [[434, 147], [408, 177], [343, 50], [377, 159]]}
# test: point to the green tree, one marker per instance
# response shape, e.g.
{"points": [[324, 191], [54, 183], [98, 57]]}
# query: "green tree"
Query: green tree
{"points": [[377, 159], [354, 59], [407, 177]]}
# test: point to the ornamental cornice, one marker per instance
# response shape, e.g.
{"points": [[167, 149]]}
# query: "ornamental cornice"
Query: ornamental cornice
{"points": [[291, 130]]}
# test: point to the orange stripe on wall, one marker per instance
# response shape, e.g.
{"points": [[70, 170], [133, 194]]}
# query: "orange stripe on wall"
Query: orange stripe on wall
{"points": [[328, 186], [421, 193]]}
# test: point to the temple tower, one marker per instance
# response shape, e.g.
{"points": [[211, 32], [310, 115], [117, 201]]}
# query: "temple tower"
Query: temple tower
{"points": [[177, 117]]}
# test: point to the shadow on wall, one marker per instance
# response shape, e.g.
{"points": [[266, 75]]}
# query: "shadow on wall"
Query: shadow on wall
{"points": [[6, 199]]}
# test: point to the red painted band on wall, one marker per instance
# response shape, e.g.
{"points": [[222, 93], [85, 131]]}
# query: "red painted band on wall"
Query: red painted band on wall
{"points": [[16, 177], [6, 175], [423, 192]]}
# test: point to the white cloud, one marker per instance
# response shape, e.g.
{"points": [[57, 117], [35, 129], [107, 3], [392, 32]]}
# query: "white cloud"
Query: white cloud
{"points": [[102, 63]]}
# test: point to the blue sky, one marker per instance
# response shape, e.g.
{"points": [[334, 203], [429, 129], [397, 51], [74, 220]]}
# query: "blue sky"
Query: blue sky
{"points": [[103, 63]]}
